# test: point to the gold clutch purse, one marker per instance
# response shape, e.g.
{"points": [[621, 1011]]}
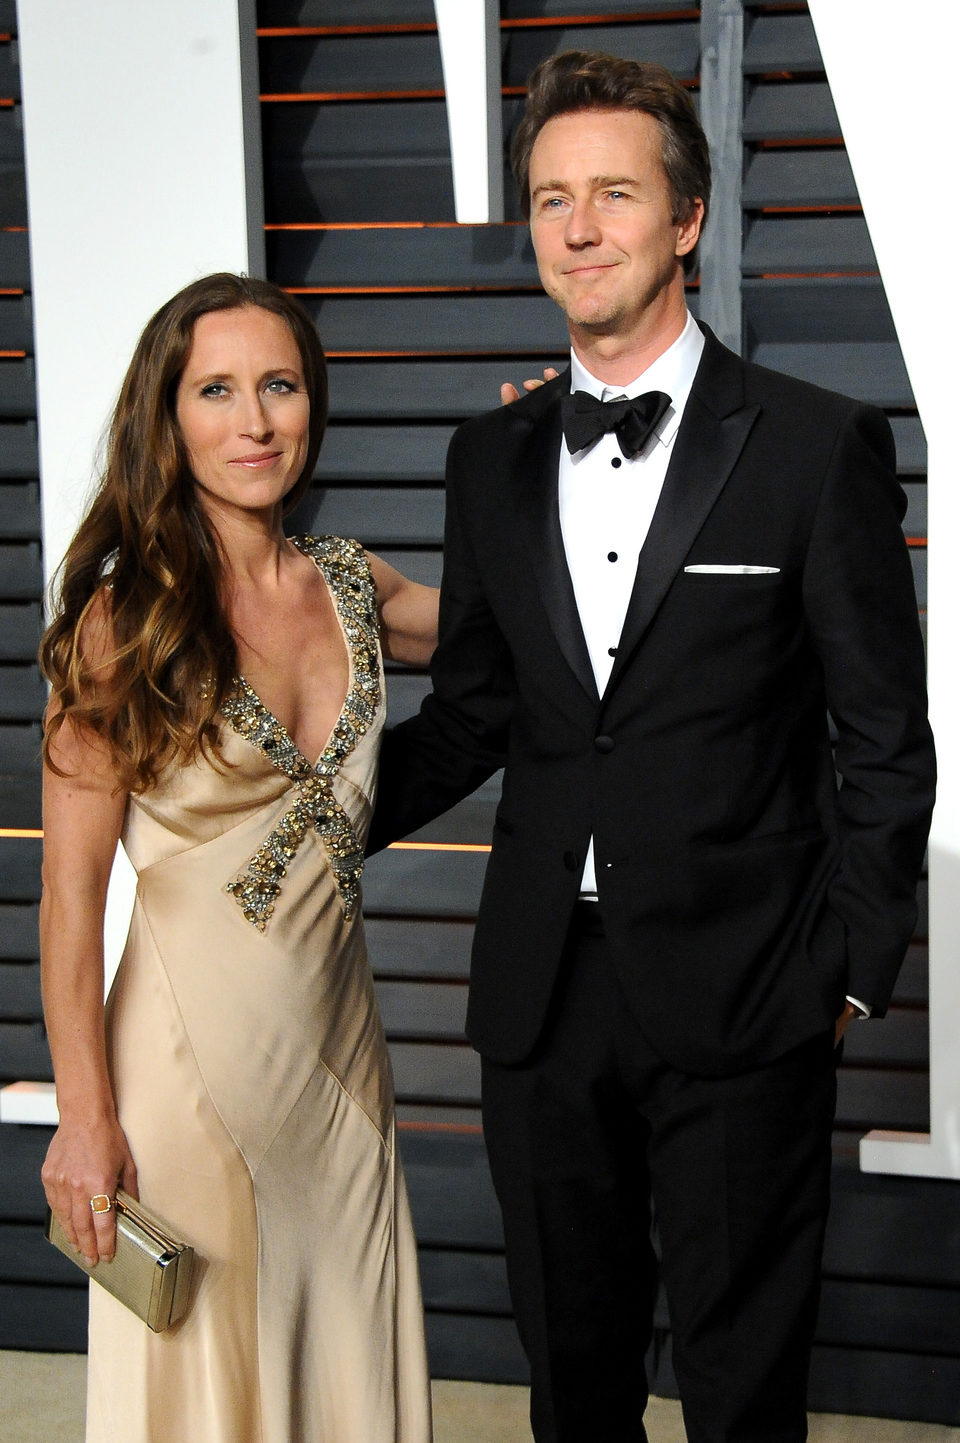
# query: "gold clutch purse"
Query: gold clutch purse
{"points": [[150, 1271]]}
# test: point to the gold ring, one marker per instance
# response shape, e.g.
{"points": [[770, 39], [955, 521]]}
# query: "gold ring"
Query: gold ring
{"points": [[101, 1203]]}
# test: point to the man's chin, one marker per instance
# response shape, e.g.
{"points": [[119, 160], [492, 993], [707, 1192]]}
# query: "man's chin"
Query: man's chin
{"points": [[594, 321]]}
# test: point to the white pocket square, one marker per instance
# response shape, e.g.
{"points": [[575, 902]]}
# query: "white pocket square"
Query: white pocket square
{"points": [[707, 570]]}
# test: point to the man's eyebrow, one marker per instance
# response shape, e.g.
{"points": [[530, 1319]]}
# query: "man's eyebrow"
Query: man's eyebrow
{"points": [[601, 180], [550, 185], [596, 182]]}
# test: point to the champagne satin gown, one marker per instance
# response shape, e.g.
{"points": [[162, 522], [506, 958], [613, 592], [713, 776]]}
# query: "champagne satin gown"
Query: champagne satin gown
{"points": [[254, 1086]]}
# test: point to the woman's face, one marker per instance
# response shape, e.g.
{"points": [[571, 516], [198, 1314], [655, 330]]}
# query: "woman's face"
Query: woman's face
{"points": [[243, 411]]}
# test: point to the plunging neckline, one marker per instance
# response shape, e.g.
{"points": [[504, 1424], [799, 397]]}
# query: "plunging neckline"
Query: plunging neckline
{"points": [[346, 572], [255, 695]]}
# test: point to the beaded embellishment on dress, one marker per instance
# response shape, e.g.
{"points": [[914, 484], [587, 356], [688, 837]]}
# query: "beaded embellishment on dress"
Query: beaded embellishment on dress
{"points": [[345, 569]]}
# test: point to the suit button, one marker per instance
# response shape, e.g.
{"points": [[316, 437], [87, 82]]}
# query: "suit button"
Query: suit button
{"points": [[603, 744], [571, 861]]}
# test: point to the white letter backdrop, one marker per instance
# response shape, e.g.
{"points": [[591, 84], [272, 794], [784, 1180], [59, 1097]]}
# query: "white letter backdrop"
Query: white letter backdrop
{"points": [[898, 117]]}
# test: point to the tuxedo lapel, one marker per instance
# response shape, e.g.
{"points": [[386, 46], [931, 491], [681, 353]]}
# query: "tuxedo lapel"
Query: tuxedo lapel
{"points": [[712, 434], [538, 510]]}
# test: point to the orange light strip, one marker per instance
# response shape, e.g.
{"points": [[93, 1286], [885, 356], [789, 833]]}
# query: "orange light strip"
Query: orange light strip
{"points": [[917, 542], [636, 17], [472, 1128], [7, 104], [12, 355], [325, 95], [11, 290], [798, 142], [291, 32], [37, 832]]}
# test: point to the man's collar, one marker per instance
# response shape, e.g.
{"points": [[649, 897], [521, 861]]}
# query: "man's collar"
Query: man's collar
{"points": [[672, 372]]}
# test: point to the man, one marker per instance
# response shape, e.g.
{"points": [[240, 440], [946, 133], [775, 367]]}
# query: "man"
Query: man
{"points": [[646, 614]]}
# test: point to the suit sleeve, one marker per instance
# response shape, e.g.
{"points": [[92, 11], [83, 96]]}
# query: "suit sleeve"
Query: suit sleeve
{"points": [[459, 737], [861, 603]]}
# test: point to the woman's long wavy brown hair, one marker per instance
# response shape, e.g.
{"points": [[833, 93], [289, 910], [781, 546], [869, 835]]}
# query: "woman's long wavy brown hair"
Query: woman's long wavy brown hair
{"points": [[147, 559]]}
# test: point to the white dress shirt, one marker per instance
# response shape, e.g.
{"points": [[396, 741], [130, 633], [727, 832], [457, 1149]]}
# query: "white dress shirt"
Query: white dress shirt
{"points": [[607, 502]]}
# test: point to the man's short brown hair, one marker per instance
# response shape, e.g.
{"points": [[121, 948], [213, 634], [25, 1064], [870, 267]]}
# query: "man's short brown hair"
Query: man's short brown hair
{"points": [[589, 80]]}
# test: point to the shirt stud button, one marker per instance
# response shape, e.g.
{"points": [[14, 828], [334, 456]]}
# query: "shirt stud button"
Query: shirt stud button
{"points": [[603, 744]]}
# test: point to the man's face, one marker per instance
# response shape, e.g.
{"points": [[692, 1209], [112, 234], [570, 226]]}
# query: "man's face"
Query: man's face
{"points": [[608, 250]]}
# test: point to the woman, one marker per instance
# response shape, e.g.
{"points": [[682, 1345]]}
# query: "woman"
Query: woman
{"points": [[216, 703]]}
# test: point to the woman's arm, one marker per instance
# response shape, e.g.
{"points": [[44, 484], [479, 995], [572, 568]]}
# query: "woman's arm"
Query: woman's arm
{"points": [[82, 816], [408, 611], [408, 614]]}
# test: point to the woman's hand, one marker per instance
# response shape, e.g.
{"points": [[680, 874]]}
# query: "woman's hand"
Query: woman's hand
{"points": [[509, 393], [87, 1161]]}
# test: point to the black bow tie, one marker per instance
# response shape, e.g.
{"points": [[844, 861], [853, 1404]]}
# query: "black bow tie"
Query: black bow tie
{"points": [[585, 419]]}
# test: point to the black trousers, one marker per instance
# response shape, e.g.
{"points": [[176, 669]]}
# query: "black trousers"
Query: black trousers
{"points": [[592, 1135]]}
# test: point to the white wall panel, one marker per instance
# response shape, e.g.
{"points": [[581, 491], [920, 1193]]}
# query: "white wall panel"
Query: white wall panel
{"points": [[895, 114], [142, 173]]}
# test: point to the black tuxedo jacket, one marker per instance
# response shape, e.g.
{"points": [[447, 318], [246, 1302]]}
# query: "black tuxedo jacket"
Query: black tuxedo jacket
{"points": [[748, 877]]}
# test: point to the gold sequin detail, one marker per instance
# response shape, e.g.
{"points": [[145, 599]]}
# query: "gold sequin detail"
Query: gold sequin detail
{"points": [[256, 889]]}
